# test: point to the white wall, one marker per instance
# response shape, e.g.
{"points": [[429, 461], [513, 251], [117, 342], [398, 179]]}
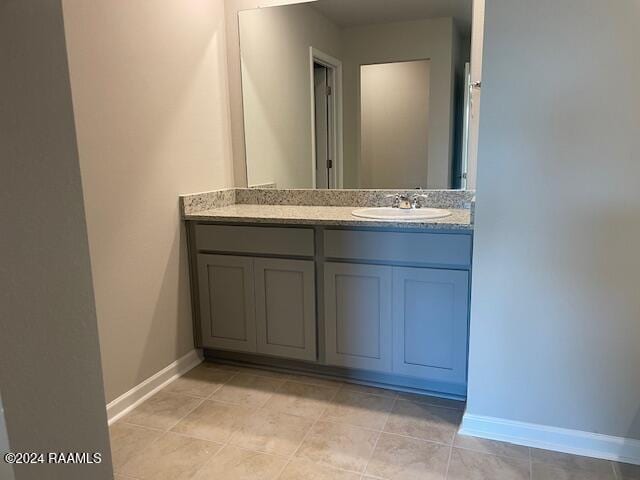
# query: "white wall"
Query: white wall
{"points": [[151, 105], [50, 375], [394, 124], [393, 42], [276, 89], [555, 322]]}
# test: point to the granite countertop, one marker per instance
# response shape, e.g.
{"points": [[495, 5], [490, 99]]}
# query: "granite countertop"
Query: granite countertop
{"points": [[321, 215]]}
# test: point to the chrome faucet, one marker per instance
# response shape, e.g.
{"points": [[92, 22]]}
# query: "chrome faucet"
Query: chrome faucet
{"points": [[406, 202]]}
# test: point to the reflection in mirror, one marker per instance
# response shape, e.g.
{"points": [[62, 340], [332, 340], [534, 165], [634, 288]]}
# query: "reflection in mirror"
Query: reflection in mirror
{"points": [[356, 93]]}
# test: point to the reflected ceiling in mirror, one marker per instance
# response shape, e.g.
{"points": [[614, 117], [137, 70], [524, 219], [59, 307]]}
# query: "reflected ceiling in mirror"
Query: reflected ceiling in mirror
{"points": [[356, 93]]}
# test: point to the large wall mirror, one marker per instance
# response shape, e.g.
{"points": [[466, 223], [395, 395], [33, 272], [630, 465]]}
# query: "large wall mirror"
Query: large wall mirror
{"points": [[357, 94]]}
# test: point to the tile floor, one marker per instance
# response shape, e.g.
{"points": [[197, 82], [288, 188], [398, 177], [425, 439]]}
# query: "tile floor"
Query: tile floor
{"points": [[236, 423]]}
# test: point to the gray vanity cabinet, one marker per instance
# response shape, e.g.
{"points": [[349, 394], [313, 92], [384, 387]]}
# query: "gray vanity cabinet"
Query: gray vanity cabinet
{"points": [[430, 323], [227, 302], [285, 308], [249, 300], [393, 305], [358, 316]]}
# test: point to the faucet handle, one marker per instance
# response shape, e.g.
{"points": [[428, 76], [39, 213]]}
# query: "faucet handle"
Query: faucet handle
{"points": [[415, 199], [396, 199]]}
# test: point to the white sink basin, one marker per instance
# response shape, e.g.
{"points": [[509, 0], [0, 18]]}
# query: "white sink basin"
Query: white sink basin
{"points": [[389, 213]]}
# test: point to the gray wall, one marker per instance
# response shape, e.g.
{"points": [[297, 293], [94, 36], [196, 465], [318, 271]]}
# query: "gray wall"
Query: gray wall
{"points": [[49, 355], [555, 324], [150, 98]]}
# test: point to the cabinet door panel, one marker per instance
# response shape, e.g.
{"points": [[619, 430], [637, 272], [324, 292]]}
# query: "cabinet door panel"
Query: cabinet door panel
{"points": [[227, 302], [358, 316], [430, 323], [285, 308]]}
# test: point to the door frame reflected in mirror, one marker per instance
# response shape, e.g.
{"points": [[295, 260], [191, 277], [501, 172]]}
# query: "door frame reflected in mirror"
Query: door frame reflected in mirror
{"points": [[335, 142]]}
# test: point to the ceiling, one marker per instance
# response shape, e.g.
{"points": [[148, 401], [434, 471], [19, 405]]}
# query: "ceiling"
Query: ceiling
{"points": [[350, 13]]}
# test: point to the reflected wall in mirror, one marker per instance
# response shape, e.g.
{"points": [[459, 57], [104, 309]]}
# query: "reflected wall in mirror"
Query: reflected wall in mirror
{"points": [[356, 93]]}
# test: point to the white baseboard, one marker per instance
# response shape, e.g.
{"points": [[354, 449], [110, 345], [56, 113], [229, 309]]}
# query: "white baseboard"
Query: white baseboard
{"points": [[552, 438], [138, 394]]}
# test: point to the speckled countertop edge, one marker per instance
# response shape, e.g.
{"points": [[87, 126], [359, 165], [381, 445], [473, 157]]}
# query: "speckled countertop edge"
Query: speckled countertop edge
{"points": [[459, 219], [321, 207]]}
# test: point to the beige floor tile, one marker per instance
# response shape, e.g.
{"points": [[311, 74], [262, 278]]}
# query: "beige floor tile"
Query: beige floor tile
{"points": [[424, 421], [299, 469], [354, 387], [171, 457], [272, 432], [128, 440], [627, 471], [213, 421], [490, 446], [369, 411], [468, 465], [261, 372], [162, 411], [234, 463], [219, 366], [200, 382], [432, 400], [570, 462], [249, 390], [341, 446], [401, 458], [301, 399], [546, 471], [311, 380]]}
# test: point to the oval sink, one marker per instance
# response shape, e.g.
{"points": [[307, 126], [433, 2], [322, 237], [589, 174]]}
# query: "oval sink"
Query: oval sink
{"points": [[389, 213]]}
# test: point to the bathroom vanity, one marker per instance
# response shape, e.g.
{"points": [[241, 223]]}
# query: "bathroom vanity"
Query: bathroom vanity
{"points": [[315, 289]]}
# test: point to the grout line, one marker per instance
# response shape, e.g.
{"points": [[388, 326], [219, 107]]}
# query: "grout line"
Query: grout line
{"points": [[284, 467], [167, 392], [231, 404], [373, 450], [202, 400], [493, 454], [317, 419], [233, 375], [417, 438], [375, 445], [615, 472], [228, 443], [446, 472], [304, 438], [196, 437], [144, 427]]}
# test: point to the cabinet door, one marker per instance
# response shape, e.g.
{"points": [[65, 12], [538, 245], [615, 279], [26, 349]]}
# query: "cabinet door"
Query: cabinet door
{"points": [[285, 308], [430, 323], [358, 316], [227, 308]]}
